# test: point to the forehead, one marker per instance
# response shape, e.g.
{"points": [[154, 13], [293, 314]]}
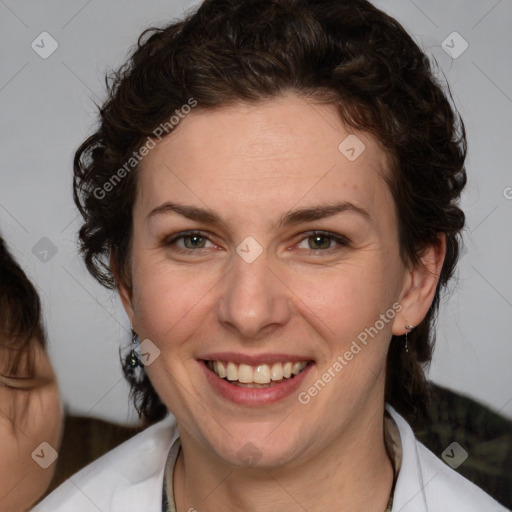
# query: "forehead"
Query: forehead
{"points": [[267, 157]]}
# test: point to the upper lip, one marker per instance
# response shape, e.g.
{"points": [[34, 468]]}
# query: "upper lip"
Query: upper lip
{"points": [[253, 360]]}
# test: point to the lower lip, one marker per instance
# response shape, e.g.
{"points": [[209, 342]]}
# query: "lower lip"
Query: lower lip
{"points": [[254, 396]]}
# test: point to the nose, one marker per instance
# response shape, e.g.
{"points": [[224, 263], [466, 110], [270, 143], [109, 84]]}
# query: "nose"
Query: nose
{"points": [[254, 302]]}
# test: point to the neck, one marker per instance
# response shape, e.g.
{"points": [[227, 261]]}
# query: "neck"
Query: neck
{"points": [[353, 473]]}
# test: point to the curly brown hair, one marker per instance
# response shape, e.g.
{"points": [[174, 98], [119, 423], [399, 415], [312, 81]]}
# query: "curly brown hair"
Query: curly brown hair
{"points": [[342, 52], [20, 317]]}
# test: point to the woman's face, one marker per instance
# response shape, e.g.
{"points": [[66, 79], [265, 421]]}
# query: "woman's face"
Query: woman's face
{"points": [[259, 241], [30, 414]]}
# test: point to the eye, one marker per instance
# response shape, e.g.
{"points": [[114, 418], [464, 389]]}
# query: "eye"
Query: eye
{"points": [[21, 383], [190, 241], [320, 241], [194, 241]]}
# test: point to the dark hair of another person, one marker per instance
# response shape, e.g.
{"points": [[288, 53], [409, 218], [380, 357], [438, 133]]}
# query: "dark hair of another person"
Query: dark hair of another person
{"points": [[20, 316], [346, 53]]}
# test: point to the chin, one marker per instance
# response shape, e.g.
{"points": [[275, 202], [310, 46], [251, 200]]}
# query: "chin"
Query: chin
{"points": [[256, 451]]}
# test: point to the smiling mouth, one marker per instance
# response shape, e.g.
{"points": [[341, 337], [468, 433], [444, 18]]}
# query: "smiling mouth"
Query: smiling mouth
{"points": [[258, 376]]}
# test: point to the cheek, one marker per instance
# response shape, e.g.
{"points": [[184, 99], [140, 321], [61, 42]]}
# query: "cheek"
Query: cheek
{"points": [[168, 300], [346, 298], [50, 411], [42, 422], [47, 408], [10, 462]]}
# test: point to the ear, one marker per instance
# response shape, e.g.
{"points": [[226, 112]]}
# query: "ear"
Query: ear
{"points": [[125, 291], [419, 287]]}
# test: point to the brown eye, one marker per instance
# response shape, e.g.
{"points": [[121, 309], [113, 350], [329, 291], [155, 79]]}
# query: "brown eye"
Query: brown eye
{"points": [[318, 242]]}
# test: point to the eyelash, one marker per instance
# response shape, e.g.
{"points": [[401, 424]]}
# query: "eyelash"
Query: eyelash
{"points": [[341, 240], [16, 383]]}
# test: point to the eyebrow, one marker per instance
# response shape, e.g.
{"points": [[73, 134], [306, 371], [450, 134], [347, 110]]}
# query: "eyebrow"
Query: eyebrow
{"points": [[190, 212], [321, 212], [293, 217]]}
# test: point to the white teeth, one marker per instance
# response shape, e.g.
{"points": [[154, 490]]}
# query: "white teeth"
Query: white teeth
{"points": [[298, 367], [260, 374], [245, 374], [220, 370], [277, 371], [231, 371]]}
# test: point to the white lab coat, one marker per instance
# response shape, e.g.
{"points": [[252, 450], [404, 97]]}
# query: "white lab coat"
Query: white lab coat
{"points": [[130, 478]]}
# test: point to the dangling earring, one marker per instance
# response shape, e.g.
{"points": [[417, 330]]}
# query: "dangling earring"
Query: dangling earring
{"points": [[134, 358], [409, 329]]}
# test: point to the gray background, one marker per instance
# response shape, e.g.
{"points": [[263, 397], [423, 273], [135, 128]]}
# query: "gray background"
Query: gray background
{"points": [[47, 109]]}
